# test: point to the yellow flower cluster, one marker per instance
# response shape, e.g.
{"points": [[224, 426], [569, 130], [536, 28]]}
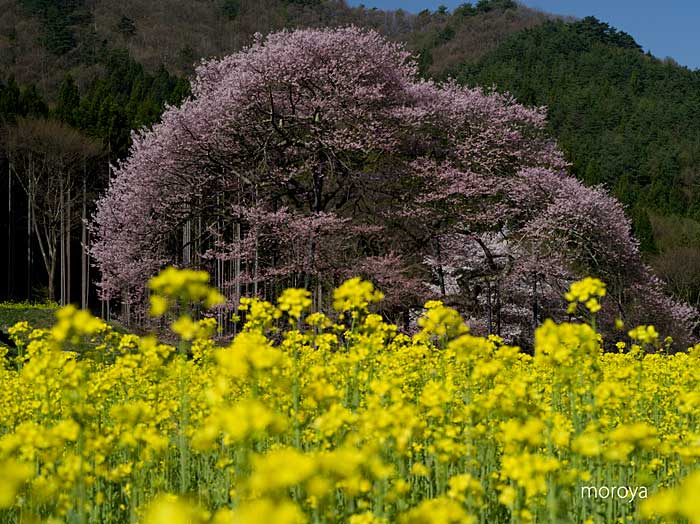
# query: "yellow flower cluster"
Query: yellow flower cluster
{"points": [[73, 323], [12, 475], [644, 334], [294, 302], [181, 286], [355, 294], [678, 503], [440, 322], [306, 418], [586, 292]]}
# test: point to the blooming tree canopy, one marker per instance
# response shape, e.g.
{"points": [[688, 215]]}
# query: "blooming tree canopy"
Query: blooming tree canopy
{"points": [[318, 154]]}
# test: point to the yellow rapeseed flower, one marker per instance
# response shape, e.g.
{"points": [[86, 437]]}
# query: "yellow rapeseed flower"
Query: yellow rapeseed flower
{"points": [[355, 294], [181, 286], [586, 291], [294, 302], [12, 475]]}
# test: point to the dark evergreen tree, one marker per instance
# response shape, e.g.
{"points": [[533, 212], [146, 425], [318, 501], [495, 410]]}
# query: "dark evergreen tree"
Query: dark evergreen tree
{"points": [[32, 103], [68, 102], [10, 103], [126, 26], [230, 8]]}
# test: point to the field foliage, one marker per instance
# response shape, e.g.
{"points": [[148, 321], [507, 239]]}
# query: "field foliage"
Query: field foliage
{"points": [[37, 314], [308, 417]]}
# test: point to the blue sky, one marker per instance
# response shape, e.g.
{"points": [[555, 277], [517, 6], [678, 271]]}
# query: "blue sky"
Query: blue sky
{"points": [[670, 28]]}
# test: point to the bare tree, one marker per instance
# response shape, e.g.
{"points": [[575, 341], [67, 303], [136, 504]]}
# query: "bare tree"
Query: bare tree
{"points": [[48, 159]]}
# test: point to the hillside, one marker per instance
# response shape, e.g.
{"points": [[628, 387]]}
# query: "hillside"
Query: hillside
{"points": [[42, 40], [625, 119], [622, 116]]}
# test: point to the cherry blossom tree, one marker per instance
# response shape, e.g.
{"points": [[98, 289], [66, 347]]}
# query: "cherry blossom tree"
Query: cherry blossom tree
{"points": [[313, 155]]}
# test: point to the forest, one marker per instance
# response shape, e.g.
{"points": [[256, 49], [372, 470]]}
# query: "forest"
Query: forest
{"points": [[622, 118], [294, 261], [625, 120]]}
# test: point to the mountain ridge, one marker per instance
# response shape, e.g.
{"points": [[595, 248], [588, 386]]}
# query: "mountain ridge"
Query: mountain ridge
{"points": [[45, 39]]}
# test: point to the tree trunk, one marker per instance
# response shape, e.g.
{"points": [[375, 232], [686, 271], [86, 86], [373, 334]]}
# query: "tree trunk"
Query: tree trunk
{"points": [[67, 239], [29, 240], [488, 305], [62, 245], [237, 263], [255, 266], [319, 296], [186, 246], [47, 249], [440, 270], [83, 251], [9, 229], [52, 272], [535, 304], [498, 308]]}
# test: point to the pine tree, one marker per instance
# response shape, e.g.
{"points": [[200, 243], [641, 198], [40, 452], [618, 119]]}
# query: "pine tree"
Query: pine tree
{"points": [[68, 102]]}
